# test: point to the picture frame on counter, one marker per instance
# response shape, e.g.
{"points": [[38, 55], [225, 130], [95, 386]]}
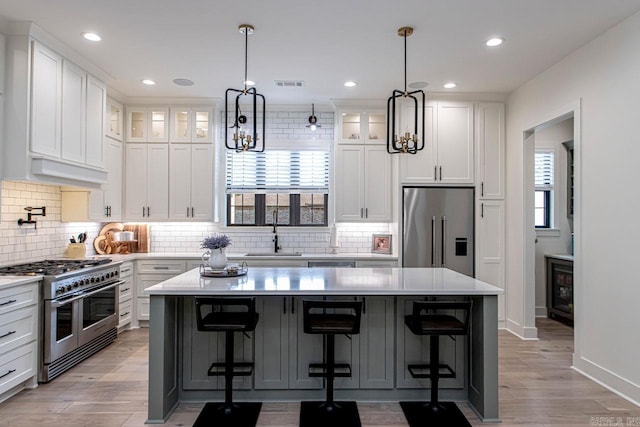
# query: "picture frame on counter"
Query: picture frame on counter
{"points": [[381, 244]]}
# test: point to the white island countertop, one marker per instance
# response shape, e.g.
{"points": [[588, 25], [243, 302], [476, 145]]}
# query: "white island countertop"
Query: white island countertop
{"points": [[327, 281]]}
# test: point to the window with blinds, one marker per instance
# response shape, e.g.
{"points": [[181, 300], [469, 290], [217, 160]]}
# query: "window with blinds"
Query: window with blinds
{"points": [[283, 187], [543, 188]]}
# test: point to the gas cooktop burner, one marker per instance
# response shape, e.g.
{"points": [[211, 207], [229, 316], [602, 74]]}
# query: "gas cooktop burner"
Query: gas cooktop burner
{"points": [[51, 267]]}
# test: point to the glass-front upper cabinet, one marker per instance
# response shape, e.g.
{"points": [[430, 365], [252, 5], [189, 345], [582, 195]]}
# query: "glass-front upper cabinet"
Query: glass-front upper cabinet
{"points": [[191, 124], [365, 127], [147, 124], [114, 121]]}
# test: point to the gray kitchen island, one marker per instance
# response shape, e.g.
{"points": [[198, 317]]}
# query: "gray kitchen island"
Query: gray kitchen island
{"points": [[179, 355]]}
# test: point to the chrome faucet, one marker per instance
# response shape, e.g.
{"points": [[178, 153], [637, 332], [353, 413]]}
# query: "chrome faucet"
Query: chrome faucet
{"points": [[276, 247]]}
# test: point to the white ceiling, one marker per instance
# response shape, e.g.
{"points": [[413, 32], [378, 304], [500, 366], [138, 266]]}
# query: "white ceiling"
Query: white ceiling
{"points": [[323, 43]]}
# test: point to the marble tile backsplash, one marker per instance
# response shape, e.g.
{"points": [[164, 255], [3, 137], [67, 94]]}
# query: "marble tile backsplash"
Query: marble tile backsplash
{"points": [[49, 240]]}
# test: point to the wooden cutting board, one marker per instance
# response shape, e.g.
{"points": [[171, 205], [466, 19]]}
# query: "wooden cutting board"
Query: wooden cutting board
{"points": [[141, 234]]}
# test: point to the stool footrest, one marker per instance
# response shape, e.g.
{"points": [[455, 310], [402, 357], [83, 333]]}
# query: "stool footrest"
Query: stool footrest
{"points": [[240, 369], [340, 370], [424, 371]]}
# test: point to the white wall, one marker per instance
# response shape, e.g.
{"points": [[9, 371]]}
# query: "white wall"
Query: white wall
{"points": [[557, 239], [601, 79]]}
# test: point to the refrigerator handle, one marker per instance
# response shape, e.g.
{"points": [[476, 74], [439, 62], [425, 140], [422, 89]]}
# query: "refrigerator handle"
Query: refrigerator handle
{"points": [[433, 241], [444, 241]]}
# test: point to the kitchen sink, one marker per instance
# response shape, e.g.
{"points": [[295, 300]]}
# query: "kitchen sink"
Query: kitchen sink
{"points": [[274, 254]]}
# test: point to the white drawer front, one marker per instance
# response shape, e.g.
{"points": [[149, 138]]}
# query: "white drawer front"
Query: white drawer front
{"points": [[126, 290], [18, 327], [142, 308], [18, 296], [126, 269], [17, 366], [161, 267], [124, 313]]}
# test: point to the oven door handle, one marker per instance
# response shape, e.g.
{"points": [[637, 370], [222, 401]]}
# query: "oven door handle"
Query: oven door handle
{"points": [[56, 303]]}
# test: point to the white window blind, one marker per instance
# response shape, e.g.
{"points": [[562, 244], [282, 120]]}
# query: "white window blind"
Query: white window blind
{"points": [[281, 171], [544, 170]]}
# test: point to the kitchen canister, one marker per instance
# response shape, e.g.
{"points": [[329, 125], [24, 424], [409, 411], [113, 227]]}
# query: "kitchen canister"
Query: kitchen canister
{"points": [[76, 250]]}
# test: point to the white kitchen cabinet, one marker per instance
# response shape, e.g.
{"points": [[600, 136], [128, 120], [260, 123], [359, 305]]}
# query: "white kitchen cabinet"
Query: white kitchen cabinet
{"points": [[149, 273], [490, 246], [147, 124], [147, 182], [106, 204], [362, 127], [114, 119], [95, 111], [448, 155], [125, 308], [46, 104], [191, 182], [490, 129], [18, 338], [74, 107], [191, 124], [363, 183]]}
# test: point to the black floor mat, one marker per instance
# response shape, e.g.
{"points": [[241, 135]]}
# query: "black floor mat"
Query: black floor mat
{"points": [[244, 414], [315, 414], [420, 414]]}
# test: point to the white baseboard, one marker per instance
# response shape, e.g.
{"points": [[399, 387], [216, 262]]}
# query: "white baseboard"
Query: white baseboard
{"points": [[502, 324], [609, 380], [522, 332], [541, 311]]}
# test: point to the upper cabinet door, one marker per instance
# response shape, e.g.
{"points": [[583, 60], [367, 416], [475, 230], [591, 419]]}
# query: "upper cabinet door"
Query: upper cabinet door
{"points": [[202, 125], [180, 124], [46, 87], [490, 128], [420, 168], [114, 120], [191, 124], [147, 124], [362, 127], [73, 112], [455, 143], [96, 101]]}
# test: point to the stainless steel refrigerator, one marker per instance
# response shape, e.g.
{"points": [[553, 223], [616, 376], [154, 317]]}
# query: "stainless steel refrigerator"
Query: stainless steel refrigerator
{"points": [[438, 228]]}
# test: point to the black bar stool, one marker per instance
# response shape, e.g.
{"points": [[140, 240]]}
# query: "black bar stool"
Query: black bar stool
{"points": [[226, 315], [330, 318], [427, 319]]}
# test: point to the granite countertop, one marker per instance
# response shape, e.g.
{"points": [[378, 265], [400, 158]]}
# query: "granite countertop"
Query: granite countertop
{"points": [[6, 281], [243, 255], [327, 281], [565, 257]]}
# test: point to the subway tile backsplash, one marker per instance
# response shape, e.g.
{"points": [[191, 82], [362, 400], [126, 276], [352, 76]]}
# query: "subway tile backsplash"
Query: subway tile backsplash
{"points": [[49, 241]]}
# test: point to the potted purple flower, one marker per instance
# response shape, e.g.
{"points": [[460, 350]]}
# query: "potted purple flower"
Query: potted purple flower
{"points": [[215, 245]]}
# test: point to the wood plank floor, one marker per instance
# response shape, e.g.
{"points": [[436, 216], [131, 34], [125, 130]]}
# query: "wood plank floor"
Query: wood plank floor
{"points": [[537, 388]]}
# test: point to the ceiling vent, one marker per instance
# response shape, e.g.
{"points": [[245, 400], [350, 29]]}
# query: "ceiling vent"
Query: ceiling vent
{"points": [[289, 83]]}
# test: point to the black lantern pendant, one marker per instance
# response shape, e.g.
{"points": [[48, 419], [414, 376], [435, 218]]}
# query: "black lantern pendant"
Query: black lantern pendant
{"points": [[244, 137], [408, 142]]}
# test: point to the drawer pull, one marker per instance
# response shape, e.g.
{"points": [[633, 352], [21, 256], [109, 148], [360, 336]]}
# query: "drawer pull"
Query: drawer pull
{"points": [[7, 334], [11, 301], [124, 314], [8, 373], [161, 268], [124, 290]]}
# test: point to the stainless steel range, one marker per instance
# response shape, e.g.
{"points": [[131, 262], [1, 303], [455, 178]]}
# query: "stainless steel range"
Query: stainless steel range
{"points": [[79, 314]]}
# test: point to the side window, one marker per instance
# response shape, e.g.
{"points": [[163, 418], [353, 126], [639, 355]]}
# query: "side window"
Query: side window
{"points": [[544, 189]]}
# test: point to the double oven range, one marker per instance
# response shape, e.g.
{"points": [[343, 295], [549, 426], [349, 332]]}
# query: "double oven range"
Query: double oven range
{"points": [[79, 310]]}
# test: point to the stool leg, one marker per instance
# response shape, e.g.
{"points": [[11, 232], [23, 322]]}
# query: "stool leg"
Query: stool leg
{"points": [[228, 374], [434, 371], [331, 340]]}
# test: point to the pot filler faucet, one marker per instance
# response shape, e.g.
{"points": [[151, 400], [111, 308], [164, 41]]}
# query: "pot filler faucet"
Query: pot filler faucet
{"points": [[276, 248]]}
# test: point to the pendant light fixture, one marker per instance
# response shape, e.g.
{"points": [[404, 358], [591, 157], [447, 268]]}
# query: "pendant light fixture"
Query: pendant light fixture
{"points": [[244, 133], [408, 142], [313, 120]]}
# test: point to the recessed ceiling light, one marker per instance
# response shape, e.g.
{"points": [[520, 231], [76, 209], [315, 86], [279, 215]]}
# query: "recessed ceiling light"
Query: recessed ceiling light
{"points": [[91, 37], [249, 82], [494, 41], [450, 85], [418, 85], [350, 84], [148, 82], [183, 82]]}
